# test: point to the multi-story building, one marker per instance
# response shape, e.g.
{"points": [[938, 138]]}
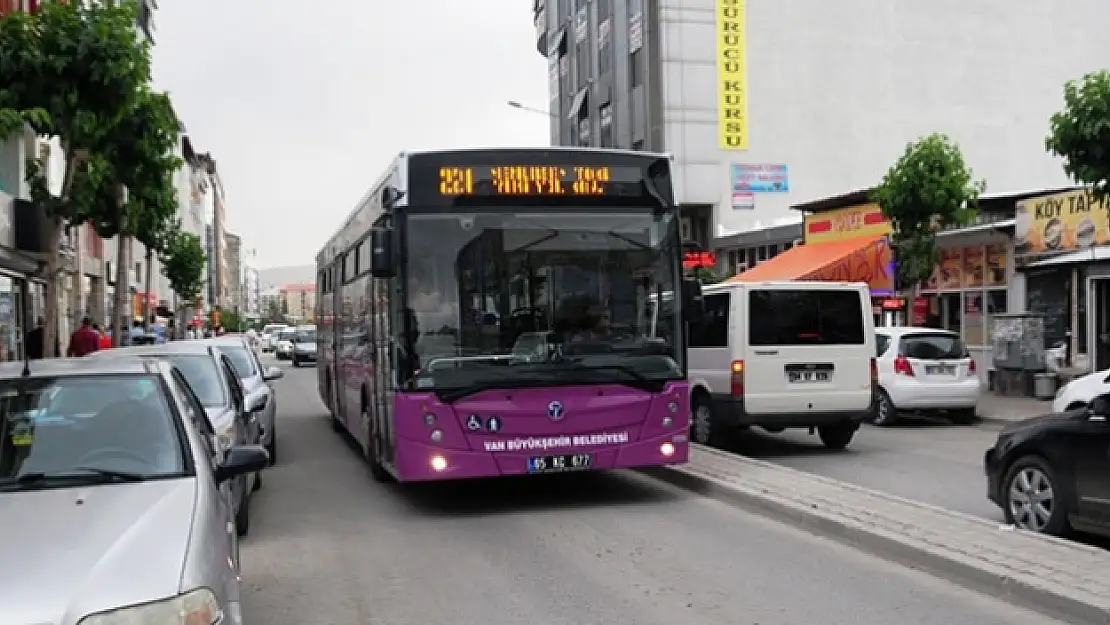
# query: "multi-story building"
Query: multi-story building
{"points": [[765, 107], [234, 260], [250, 289], [298, 301]]}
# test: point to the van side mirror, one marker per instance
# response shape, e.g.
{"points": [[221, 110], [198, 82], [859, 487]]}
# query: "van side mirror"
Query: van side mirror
{"points": [[382, 261], [693, 303]]}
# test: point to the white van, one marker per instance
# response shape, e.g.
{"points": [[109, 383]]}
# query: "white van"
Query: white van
{"points": [[783, 355]]}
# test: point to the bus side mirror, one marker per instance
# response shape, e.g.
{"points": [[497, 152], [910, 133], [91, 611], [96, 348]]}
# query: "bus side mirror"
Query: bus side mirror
{"points": [[382, 262], [693, 304]]}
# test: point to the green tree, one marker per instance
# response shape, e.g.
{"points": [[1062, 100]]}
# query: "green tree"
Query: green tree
{"points": [[71, 71], [929, 188], [142, 159], [1080, 133], [183, 264]]}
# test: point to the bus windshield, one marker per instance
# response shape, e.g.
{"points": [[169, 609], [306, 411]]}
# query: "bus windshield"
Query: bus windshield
{"points": [[520, 297]]}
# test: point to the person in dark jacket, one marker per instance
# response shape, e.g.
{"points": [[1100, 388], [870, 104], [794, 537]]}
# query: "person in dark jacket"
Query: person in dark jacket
{"points": [[36, 342]]}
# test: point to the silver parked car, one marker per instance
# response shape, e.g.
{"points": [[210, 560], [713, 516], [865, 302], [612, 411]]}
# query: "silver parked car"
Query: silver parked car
{"points": [[233, 413], [256, 380], [113, 497], [304, 345]]}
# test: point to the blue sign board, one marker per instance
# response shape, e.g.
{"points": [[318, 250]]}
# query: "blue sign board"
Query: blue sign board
{"points": [[757, 178]]}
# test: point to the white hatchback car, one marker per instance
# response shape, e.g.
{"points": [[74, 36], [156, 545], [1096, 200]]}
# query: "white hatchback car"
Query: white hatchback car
{"points": [[924, 369]]}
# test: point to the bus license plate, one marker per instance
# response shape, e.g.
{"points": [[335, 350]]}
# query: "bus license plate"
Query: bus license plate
{"points": [[559, 464]]}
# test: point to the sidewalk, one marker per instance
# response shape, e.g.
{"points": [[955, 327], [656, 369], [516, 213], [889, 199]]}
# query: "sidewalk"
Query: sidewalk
{"points": [[1056, 577], [1006, 409]]}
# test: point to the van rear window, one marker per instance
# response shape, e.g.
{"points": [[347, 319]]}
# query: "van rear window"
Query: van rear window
{"points": [[805, 317]]}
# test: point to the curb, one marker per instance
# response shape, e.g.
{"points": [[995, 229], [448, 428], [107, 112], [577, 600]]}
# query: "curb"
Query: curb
{"points": [[889, 547]]}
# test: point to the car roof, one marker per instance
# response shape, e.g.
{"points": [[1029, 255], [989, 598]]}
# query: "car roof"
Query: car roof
{"points": [[238, 340], [72, 367], [906, 331]]}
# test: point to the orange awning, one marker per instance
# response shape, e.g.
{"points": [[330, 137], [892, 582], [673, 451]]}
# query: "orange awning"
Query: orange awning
{"points": [[859, 259]]}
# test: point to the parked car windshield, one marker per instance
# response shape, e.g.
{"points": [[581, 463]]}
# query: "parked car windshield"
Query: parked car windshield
{"points": [[201, 373], [287, 335], [306, 335], [66, 427], [241, 360]]}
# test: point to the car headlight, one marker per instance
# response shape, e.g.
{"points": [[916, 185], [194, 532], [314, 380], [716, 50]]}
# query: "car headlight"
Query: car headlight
{"points": [[198, 607]]}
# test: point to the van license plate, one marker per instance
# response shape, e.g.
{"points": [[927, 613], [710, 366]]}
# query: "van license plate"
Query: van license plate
{"points": [[800, 377], [940, 370], [559, 464]]}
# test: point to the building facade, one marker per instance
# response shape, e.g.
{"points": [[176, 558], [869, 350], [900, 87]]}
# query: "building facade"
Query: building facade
{"points": [[765, 108], [233, 245]]}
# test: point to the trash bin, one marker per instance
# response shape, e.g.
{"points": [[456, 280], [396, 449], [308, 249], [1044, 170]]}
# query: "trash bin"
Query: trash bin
{"points": [[1044, 385]]}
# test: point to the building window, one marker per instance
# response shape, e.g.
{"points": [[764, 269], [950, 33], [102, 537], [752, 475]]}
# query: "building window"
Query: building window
{"points": [[605, 126], [966, 289], [636, 68], [604, 49]]}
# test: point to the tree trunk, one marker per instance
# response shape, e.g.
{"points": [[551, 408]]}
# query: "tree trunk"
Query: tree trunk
{"points": [[149, 284], [50, 330], [120, 324]]}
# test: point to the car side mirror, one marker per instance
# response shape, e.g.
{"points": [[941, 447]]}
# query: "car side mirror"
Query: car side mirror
{"points": [[241, 460], [382, 263], [257, 402], [273, 373], [1100, 406]]}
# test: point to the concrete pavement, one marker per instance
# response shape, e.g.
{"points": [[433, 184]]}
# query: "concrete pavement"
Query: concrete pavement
{"points": [[1058, 577], [328, 545], [1004, 409]]}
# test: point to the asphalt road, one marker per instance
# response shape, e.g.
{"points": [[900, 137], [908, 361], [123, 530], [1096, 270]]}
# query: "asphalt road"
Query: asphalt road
{"points": [[328, 545]]}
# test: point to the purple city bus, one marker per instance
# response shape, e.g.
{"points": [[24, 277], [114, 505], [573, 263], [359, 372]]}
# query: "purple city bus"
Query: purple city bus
{"points": [[489, 312]]}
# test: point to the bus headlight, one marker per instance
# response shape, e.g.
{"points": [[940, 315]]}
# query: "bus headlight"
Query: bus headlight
{"points": [[673, 407], [668, 421], [429, 419], [667, 449], [437, 436], [438, 463]]}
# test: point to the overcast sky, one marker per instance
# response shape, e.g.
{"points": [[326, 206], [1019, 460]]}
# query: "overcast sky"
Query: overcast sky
{"points": [[304, 104]]}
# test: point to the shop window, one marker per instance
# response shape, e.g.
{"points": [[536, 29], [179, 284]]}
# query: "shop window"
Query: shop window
{"points": [[967, 285]]}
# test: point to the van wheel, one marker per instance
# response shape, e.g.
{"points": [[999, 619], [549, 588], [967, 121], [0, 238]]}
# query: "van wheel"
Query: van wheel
{"points": [[837, 436], [885, 411], [702, 429]]}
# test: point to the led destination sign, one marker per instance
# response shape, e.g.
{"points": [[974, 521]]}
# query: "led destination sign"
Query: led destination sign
{"points": [[539, 180]]}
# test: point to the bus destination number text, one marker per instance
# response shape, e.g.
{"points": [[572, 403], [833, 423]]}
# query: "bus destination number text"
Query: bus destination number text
{"points": [[518, 180]]}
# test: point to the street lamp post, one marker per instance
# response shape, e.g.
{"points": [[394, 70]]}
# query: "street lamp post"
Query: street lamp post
{"points": [[517, 105]]}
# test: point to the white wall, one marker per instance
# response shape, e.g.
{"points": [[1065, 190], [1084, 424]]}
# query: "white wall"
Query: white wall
{"points": [[836, 89]]}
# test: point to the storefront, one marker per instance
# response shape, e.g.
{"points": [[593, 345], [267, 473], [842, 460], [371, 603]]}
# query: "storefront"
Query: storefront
{"points": [[849, 242], [1062, 246], [970, 285]]}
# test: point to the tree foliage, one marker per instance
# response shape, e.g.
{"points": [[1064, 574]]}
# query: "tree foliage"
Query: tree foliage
{"points": [[1080, 133], [73, 71], [183, 261], [929, 188]]}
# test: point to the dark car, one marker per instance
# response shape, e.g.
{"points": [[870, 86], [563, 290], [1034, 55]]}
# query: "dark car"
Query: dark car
{"points": [[1051, 474]]}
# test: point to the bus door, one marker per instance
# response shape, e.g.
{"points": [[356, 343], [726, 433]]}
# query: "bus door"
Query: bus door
{"points": [[383, 370]]}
